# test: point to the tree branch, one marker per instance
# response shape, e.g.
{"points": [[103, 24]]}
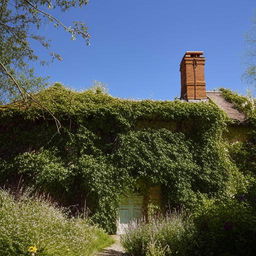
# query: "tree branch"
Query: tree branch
{"points": [[25, 93], [52, 18], [14, 80]]}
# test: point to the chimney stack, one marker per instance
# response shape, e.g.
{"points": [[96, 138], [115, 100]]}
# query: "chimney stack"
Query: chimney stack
{"points": [[192, 76]]}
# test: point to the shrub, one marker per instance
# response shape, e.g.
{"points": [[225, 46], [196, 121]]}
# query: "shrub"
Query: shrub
{"points": [[160, 237], [225, 229], [218, 228], [35, 222]]}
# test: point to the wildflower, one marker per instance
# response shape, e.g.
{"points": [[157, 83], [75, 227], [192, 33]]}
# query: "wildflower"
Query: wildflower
{"points": [[32, 249]]}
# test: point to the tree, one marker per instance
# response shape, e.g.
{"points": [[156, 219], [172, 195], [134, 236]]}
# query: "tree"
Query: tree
{"points": [[250, 72], [17, 20]]}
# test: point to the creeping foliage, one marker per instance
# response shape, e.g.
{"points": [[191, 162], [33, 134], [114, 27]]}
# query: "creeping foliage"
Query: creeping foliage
{"points": [[107, 146], [245, 104]]}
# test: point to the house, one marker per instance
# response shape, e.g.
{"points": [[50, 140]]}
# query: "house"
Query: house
{"points": [[193, 89], [123, 159]]}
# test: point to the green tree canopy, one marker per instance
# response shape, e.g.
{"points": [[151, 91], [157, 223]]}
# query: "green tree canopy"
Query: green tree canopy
{"points": [[18, 21]]}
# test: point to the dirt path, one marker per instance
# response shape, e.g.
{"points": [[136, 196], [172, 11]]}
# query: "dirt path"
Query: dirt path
{"points": [[114, 249]]}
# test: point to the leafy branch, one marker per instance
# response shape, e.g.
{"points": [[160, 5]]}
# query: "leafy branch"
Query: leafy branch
{"points": [[24, 93], [16, 21], [78, 28]]}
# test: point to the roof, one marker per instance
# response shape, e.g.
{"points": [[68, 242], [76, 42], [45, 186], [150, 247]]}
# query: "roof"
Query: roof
{"points": [[227, 107]]}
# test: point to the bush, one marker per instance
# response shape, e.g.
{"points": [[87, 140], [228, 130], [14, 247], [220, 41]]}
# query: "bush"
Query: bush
{"points": [[35, 222], [218, 228], [160, 237], [225, 229]]}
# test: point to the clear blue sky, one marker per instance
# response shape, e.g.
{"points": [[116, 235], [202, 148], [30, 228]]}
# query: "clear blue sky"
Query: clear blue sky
{"points": [[137, 45]]}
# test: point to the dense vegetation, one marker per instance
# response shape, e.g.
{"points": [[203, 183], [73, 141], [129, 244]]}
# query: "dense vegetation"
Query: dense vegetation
{"points": [[217, 228], [164, 236], [107, 146], [33, 222]]}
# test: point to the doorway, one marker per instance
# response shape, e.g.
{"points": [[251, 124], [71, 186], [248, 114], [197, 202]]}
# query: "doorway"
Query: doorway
{"points": [[130, 210]]}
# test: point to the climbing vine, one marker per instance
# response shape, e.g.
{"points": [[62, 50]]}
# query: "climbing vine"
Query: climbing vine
{"points": [[108, 146], [247, 105]]}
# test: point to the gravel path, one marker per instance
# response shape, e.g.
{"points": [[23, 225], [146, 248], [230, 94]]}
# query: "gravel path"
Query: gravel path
{"points": [[114, 249]]}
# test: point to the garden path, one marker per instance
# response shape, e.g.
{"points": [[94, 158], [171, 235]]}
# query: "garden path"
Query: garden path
{"points": [[115, 249]]}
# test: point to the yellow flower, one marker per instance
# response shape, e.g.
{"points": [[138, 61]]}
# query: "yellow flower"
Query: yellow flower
{"points": [[32, 249]]}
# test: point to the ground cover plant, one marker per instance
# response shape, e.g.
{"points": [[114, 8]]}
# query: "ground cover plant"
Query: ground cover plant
{"points": [[31, 223], [107, 146]]}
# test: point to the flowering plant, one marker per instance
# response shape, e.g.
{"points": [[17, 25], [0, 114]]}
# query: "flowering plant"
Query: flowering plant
{"points": [[32, 250]]}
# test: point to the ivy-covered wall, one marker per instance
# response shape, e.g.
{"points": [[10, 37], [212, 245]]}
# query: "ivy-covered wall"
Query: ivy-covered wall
{"points": [[108, 146]]}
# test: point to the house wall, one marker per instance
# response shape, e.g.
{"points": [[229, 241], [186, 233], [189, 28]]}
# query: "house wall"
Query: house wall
{"points": [[153, 204]]}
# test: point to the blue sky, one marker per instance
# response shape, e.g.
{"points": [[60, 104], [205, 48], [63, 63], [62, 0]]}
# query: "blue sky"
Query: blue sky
{"points": [[137, 45]]}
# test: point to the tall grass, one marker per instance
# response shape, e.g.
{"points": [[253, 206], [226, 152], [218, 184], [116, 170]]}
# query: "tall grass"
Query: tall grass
{"points": [[162, 236], [35, 222], [226, 227]]}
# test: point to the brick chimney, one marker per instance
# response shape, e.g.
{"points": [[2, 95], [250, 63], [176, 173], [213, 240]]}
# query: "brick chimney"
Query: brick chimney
{"points": [[192, 76]]}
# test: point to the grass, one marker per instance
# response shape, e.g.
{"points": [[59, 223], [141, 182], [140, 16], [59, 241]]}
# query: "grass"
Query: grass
{"points": [[36, 222]]}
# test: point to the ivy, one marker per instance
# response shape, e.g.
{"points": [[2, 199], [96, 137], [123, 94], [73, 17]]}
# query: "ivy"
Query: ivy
{"points": [[247, 105], [110, 146]]}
